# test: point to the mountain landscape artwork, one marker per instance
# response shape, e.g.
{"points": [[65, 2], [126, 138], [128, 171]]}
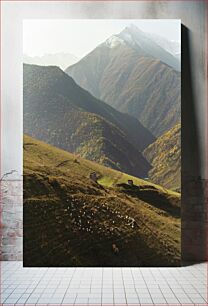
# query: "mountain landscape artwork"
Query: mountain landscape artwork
{"points": [[101, 143]]}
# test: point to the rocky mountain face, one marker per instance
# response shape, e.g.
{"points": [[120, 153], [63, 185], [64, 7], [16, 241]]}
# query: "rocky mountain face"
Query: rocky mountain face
{"points": [[133, 74]]}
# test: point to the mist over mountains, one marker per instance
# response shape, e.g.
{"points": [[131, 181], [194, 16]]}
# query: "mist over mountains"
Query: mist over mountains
{"points": [[62, 60], [171, 46]]}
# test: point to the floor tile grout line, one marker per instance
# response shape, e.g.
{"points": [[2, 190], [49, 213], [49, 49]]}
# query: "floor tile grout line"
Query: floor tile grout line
{"points": [[147, 287], [69, 285], [171, 290], [135, 287], [123, 284]]}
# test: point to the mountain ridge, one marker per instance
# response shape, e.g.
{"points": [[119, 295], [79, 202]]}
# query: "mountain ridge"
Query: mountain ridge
{"points": [[141, 42], [132, 82], [62, 60], [58, 111]]}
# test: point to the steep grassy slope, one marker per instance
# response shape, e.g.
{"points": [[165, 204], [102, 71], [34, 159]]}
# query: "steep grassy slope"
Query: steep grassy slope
{"points": [[165, 157], [70, 220], [59, 112], [124, 74]]}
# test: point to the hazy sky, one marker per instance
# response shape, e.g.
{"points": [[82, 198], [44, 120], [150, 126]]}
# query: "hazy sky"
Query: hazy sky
{"points": [[80, 36]]}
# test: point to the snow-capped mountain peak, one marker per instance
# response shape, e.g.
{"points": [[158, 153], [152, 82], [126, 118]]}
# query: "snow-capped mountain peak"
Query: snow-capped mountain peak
{"points": [[114, 41], [127, 37], [132, 35]]}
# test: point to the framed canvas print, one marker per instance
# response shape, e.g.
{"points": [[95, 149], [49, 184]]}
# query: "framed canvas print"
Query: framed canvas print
{"points": [[102, 142]]}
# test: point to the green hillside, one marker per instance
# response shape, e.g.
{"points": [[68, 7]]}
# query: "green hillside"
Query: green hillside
{"points": [[71, 220], [59, 112], [165, 157]]}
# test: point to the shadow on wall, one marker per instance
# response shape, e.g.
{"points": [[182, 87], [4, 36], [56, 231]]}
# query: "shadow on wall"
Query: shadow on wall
{"points": [[193, 224]]}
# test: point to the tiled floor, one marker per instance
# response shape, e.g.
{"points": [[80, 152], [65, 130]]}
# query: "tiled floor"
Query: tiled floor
{"points": [[109, 286]]}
